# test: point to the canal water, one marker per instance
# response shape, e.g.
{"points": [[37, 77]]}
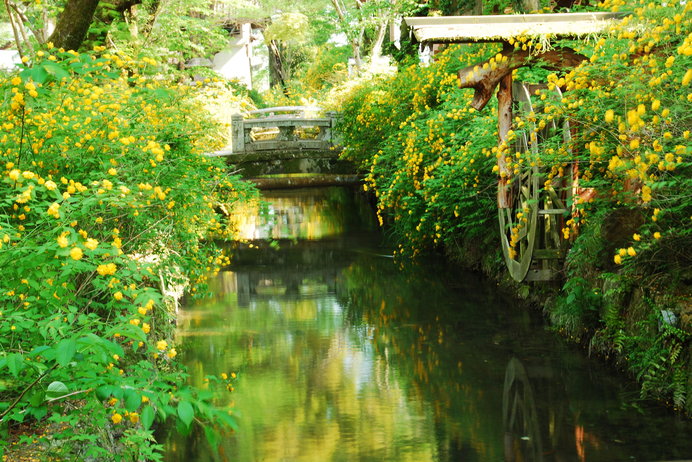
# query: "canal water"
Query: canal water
{"points": [[337, 352]]}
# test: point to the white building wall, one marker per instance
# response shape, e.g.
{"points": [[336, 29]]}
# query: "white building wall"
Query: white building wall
{"points": [[9, 59], [244, 59]]}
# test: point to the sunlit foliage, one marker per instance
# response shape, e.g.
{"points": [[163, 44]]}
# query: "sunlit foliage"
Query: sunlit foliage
{"points": [[106, 205], [431, 162]]}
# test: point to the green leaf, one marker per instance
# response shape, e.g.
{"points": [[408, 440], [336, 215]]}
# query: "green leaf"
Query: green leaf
{"points": [[227, 420], [37, 398], [65, 351], [38, 350], [186, 412], [181, 428], [39, 413], [56, 389], [104, 392], [132, 400], [118, 392], [147, 417], [38, 74], [212, 437], [56, 70], [15, 363]]}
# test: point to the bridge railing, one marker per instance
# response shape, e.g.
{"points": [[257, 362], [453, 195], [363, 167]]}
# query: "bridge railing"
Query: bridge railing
{"points": [[286, 128]]}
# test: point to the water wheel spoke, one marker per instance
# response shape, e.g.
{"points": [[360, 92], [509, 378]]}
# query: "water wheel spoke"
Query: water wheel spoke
{"points": [[554, 231], [557, 202]]}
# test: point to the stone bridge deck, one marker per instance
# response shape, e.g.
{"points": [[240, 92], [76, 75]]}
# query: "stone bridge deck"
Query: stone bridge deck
{"points": [[289, 140]]}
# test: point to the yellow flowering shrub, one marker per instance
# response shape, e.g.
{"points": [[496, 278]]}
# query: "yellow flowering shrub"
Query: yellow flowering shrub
{"points": [[431, 162], [106, 199], [411, 133]]}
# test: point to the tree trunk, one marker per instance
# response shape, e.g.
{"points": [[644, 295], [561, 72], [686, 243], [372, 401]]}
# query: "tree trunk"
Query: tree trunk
{"points": [[379, 39], [527, 6], [355, 42], [478, 7], [73, 24], [277, 72], [15, 28]]}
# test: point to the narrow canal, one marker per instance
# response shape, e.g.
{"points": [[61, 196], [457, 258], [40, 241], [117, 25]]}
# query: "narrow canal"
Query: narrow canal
{"points": [[342, 353]]}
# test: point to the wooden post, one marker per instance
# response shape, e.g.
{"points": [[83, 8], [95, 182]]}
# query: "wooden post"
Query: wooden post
{"points": [[504, 125], [238, 133]]}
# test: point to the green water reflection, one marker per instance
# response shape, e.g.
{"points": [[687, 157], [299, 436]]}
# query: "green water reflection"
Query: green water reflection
{"points": [[343, 355], [322, 213]]}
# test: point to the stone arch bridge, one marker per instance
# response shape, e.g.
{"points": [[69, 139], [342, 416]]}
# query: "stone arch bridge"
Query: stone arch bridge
{"points": [[288, 147]]}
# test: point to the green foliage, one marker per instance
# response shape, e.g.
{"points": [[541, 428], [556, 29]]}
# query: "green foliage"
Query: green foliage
{"points": [[288, 28], [328, 68], [578, 308], [429, 160], [173, 29], [412, 133], [106, 205]]}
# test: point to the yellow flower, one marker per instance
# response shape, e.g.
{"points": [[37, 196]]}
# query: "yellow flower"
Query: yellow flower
{"points": [[62, 241], [687, 78], [14, 174], [636, 237], [118, 295], [631, 252], [91, 244], [161, 345], [135, 322], [617, 259], [50, 185], [16, 80], [134, 417], [657, 235], [172, 353], [609, 115], [112, 171], [146, 328], [224, 376], [54, 210], [116, 418], [107, 269], [76, 253]]}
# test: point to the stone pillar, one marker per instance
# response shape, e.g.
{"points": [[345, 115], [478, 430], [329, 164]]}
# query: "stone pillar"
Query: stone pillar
{"points": [[238, 133]]}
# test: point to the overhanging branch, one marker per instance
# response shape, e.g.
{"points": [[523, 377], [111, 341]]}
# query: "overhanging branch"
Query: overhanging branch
{"points": [[484, 77]]}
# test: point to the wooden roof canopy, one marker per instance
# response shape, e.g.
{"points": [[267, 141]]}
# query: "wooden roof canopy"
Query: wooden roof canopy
{"points": [[501, 28], [459, 29]]}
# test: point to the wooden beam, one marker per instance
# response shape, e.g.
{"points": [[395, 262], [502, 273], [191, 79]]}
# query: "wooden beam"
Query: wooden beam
{"points": [[504, 125], [496, 28], [484, 78]]}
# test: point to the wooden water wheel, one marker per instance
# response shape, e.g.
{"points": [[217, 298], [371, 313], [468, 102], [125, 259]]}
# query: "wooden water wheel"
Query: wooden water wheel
{"points": [[532, 219], [533, 201]]}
